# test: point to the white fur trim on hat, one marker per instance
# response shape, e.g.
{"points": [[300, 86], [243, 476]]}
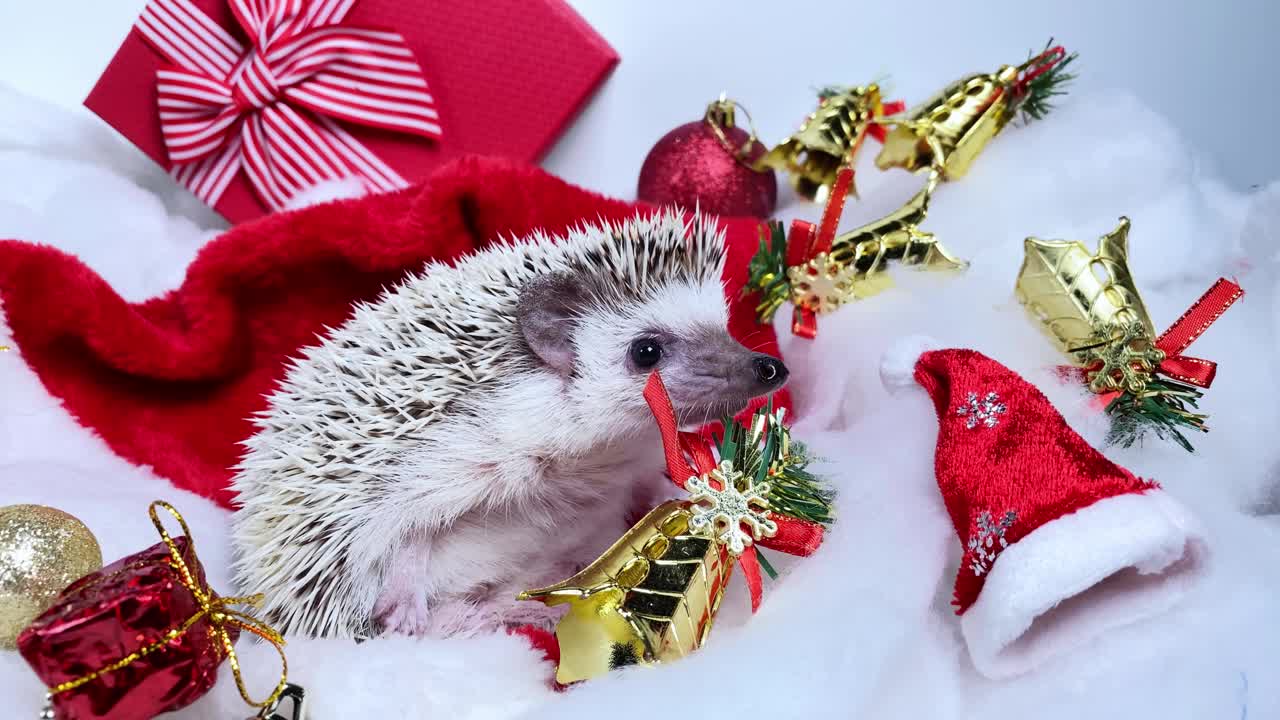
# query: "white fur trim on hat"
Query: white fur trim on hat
{"points": [[898, 363], [1117, 561], [328, 191]]}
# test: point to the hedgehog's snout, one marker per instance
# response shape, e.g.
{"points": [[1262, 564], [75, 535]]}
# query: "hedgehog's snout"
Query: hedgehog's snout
{"points": [[769, 371]]}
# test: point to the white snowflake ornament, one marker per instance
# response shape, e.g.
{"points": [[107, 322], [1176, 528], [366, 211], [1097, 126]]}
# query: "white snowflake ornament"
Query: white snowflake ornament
{"points": [[720, 514], [985, 411]]}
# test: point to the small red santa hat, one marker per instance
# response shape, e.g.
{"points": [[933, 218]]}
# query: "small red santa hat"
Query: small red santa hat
{"points": [[1060, 544]]}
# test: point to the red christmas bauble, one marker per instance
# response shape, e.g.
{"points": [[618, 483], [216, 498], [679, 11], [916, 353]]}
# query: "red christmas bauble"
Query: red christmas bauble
{"points": [[694, 165]]}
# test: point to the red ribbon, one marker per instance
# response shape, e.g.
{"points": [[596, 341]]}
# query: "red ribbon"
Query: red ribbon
{"points": [[269, 109], [878, 131], [1184, 331], [689, 455], [1191, 326], [805, 241], [1038, 66]]}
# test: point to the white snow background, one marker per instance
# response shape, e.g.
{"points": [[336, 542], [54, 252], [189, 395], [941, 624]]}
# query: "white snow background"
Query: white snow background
{"points": [[863, 629]]}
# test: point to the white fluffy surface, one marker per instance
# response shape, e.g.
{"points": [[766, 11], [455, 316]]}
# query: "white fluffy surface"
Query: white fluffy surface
{"points": [[863, 629]]}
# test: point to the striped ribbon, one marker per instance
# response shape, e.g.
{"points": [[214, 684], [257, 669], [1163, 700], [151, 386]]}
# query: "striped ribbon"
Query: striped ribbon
{"points": [[271, 108]]}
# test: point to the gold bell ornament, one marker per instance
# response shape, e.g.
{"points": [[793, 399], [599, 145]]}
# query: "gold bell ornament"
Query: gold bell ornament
{"points": [[949, 131], [818, 270], [653, 596], [830, 138], [1089, 306], [42, 551]]}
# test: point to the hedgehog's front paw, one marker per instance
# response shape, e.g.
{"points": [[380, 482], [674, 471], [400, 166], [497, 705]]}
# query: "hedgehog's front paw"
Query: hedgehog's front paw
{"points": [[401, 609]]}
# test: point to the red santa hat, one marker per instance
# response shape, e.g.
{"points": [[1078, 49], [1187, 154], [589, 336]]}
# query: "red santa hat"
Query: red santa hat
{"points": [[172, 382], [1060, 544]]}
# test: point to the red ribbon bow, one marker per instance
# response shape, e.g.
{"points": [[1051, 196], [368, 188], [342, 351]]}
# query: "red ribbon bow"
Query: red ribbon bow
{"points": [[1184, 331], [805, 241], [689, 455], [1192, 325], [269, 109]]}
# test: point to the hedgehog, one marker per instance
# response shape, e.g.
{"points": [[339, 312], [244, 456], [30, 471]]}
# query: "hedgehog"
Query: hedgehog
{"points": [[480, 429]]}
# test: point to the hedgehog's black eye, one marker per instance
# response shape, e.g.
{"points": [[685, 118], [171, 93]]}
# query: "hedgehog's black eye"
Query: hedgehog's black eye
{"points": [[646, 352]]}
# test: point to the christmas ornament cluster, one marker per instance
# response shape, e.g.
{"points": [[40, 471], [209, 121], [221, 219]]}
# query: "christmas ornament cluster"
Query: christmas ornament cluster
{"points": [[1042, 519]]}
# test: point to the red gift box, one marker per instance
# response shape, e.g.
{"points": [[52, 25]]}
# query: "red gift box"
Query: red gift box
{"points": [[504, 78], [142, 636]]}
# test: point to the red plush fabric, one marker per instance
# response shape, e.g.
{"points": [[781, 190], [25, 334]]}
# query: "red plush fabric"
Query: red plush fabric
{"points": [[171, 382]]}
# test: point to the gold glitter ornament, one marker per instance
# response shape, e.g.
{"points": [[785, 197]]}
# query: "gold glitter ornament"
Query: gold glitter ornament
{"points": [[950, 130], [42, 551], [651, 597]]}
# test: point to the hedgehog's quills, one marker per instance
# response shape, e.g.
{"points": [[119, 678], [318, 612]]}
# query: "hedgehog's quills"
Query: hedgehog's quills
{"points": [[481, 429]]}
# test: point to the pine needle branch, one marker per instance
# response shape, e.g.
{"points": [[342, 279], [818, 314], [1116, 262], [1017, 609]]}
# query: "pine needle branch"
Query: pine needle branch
{"points": [[1166, 408], [1038, 100], [764, 451], [767, 272]]}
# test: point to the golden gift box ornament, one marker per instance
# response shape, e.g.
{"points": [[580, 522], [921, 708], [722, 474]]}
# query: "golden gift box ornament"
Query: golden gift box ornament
{"points": [[829, 139], [651, 597], [950, 130], [1089, 306]]}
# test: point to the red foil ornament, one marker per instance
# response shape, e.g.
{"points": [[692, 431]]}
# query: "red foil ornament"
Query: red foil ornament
{"points": [[113, 613], [143, 636], [709, 164]]}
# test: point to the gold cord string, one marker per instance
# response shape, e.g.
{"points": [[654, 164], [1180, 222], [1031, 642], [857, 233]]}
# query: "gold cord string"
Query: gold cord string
{"points": [[725, 108], [219, 611]]}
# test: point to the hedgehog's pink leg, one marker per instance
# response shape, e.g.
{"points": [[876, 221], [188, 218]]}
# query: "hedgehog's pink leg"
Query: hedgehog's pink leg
{"points": [[466, 616], [402, 605]]}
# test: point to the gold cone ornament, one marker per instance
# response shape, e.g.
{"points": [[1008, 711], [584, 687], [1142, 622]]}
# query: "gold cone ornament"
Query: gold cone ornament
{"points": [[947, 132], [653, 596], [818, 271], [42, 551], [830, 138], [1089, 306]]}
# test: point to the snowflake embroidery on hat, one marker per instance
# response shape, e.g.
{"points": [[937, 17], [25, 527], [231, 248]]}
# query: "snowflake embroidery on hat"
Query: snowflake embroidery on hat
{"points": [[721, 513], [986, 411], [988, 541]]}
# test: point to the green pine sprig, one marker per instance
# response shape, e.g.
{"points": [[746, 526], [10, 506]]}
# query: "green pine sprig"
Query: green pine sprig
{"points": [[826, 92], [767, 272], [764, 451], [1166, 408], [770, 454], [1038, 100]]}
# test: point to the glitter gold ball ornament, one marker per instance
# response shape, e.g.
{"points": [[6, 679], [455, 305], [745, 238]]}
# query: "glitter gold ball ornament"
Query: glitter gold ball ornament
{"points": [[950, 130], [42, 551], [710, 164]]}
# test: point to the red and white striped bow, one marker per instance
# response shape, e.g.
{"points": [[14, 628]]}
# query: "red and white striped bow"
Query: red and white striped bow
{"points": [[270, 109]]}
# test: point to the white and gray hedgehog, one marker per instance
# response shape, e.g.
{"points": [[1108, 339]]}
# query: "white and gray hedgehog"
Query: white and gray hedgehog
{"points": [[481, 429]]}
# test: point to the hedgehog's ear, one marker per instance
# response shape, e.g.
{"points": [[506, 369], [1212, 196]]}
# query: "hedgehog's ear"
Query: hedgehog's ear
{"points": [[547, 313]]}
